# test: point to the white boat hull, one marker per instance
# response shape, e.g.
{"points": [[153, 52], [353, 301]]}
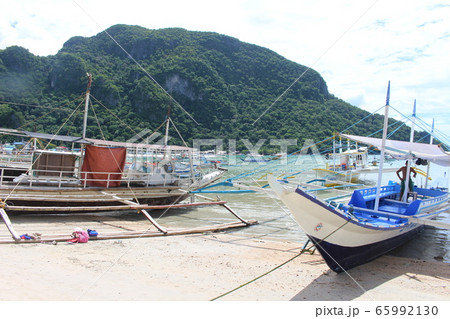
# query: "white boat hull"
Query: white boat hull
{"points": [[344, 240]]}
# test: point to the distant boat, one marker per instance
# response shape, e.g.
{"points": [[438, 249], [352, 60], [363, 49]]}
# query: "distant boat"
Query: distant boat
{"points": [[255, 158], [348, 166]]}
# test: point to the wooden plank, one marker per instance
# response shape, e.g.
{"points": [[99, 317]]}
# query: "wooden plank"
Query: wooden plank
{"points": [[106, 208], [56, 189], [55, 195], [87, 195], [61, 199], [80, 209]]}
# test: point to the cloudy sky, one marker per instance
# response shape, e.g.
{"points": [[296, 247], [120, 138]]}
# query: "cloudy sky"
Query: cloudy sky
{"points": [[356, 45]]}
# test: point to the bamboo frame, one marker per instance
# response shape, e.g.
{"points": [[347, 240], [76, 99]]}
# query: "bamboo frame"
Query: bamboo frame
{"points": [[129, 235], [128, 205], [9, 225], [105, 208]]}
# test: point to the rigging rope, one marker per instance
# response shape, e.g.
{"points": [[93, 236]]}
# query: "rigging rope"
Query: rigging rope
{"points": [[178, 132], [46, 146], [38, 106], [113, 114], [282, 264], [136, 62], [52, 110], [259, 277], [111, 153]]}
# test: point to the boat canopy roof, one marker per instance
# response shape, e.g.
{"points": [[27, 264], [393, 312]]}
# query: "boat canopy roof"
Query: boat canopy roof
{"points": [[91, 141], [402, 149], [45, 136], [137, 145]]}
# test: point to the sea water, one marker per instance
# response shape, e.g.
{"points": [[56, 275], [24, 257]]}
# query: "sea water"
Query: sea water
{"points": [[276, 223]]}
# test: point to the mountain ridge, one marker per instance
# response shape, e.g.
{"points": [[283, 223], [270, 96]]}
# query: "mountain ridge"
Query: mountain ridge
{"points": [[223, 83]]}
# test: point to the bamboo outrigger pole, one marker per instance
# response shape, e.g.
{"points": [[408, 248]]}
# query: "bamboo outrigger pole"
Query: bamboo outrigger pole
{"points": [[143, 211], [9, 225]]}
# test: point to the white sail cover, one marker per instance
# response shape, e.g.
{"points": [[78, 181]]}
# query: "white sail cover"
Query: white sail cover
{"points": [[402, 149]]}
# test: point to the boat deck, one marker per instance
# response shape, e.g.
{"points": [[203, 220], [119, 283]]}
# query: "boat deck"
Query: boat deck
{"points": [[379, 219]]}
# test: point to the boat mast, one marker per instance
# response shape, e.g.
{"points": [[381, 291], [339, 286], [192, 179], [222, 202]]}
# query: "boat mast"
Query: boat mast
{"points": [[383, 146], [166, 137], [408, 165], [86, 105], [428, 165], [334, 152]]}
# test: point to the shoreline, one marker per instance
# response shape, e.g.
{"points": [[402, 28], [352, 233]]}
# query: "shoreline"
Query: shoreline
{"points": [[202, 267]]}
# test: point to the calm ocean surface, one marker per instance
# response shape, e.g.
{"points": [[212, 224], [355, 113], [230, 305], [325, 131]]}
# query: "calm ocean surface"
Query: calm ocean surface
{"points": [[276, 223]]}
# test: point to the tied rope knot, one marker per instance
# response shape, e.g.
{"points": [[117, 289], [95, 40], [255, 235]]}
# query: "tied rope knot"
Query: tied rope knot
{"points": [[2, 203]]}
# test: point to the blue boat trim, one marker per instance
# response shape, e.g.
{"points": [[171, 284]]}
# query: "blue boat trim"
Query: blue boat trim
{"points": [[340, 258], [347, 218]]}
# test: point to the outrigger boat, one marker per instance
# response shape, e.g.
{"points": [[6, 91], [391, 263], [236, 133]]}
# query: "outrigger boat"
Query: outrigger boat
{"points": [[102, 176], [347, 166], [375, 220], [99, 178], [105, 176]]}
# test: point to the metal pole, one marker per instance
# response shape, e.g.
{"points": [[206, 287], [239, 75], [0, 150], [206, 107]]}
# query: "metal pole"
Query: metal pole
{"points": [[383, 145], [334, 152], [86, 105], [408, 165], [428, 166]]}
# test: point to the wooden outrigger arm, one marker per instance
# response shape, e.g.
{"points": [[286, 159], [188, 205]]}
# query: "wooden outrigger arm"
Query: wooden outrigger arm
{"points": [[8, 223], [143, 211], [129, 205], [223, 204], [236, 215]]}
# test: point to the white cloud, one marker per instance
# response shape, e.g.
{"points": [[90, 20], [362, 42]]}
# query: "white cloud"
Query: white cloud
{"points": [[356, 45]]}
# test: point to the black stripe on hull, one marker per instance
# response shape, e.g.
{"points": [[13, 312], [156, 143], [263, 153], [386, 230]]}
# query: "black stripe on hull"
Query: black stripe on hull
{"points": [[340, 258]]}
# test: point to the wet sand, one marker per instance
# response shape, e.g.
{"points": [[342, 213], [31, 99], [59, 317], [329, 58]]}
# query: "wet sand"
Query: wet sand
{"points": [[203, 267]]}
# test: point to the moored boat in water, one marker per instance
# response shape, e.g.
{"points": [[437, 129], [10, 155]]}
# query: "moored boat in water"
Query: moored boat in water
{"points": [[348, 166]]}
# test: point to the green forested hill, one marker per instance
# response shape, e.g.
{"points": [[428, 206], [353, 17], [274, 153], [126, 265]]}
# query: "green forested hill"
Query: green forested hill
{"points": [[223, 83]]}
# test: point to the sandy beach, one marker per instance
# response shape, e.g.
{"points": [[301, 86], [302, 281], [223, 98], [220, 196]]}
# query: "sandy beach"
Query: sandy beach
{"points": [[204, 267]]}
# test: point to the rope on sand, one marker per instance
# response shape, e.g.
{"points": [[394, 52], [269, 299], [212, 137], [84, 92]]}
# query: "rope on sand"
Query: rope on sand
{"points": [[266, 273], [304, 249]]}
